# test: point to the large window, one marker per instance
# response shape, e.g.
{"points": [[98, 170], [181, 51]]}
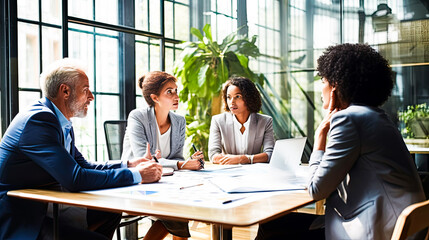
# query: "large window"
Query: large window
{"points": [[399, 29], [119, 41], [99, 36], [39, 41], [99, 50], [264, 21]]}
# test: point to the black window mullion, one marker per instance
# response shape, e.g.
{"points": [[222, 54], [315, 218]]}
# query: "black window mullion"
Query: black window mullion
{"points": [[29, 89], [162, 40], [65, 28], [40, 38], [10, 96], [3, 62], [94, 39], [127, 57]]}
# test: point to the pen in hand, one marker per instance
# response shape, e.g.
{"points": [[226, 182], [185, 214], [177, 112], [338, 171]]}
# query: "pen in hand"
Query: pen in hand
{"points": [[196, 150], [156, 160]]}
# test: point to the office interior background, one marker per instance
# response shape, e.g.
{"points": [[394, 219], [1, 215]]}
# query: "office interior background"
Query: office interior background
{"points": [[119, 40]]}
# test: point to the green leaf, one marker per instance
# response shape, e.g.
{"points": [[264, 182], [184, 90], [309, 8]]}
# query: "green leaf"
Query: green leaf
{"points": [[254, 37], [228, 40], [212, 47], [216, 47], [193, 76], [186, 59], [203, 47], [248, 49], [187, 45], [189, 62], [234, 65], [202, 75], [207, 29], [188, 53], [197, 33], [210, 78], [183, 96], [244, 61], [223, 73], [317, 77]]}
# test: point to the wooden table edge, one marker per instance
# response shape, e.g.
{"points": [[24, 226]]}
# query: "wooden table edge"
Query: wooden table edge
{"points": [[43, 196]]}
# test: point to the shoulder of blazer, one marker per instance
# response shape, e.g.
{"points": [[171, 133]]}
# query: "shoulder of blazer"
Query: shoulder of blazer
{"points": [[38, 112], [222, 118], [43, 108], [46, 105], [358, 112], [262, 117], [177, 118], [142, 114]]}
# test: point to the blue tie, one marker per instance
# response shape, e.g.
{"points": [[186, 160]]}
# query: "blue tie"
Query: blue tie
{"points": [[68, 138]]}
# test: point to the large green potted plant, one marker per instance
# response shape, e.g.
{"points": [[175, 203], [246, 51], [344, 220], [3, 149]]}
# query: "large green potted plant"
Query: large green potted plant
{"points": [[202, 68]]}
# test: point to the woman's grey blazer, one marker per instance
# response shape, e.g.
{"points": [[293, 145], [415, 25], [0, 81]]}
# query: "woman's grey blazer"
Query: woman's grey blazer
{"points": [[142, 128], [222, 137], [366, 173]]}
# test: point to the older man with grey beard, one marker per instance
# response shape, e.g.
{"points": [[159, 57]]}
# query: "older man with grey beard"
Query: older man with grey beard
{"points": [[38, 151]]}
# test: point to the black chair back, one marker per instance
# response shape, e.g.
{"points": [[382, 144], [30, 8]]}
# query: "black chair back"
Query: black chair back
{"points": [[114, 130]]}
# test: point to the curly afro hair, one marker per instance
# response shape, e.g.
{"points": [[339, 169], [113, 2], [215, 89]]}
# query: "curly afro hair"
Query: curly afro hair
{"points": [[250, 93], [359, 73]]}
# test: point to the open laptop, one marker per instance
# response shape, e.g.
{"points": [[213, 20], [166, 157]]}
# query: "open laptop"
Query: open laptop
{"points": [[283, 173], [287, 154]]}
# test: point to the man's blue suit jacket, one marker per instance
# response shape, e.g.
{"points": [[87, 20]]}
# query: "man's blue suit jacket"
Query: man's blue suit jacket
{"points": [[32, 155]]}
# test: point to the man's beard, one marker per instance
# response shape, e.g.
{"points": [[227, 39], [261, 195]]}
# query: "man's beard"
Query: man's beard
{"points": [[77, 110]]}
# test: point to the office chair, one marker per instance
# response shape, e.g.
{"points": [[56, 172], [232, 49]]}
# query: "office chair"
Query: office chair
{"points": [[115, 131], [412, 219]]}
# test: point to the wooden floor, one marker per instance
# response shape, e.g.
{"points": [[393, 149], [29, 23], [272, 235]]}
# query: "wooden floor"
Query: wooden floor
{"points": [[202, 231]]}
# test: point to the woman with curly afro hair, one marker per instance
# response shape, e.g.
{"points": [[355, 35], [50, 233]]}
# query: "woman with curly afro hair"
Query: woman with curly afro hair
{"points": [[241, 135], [365, 171]]}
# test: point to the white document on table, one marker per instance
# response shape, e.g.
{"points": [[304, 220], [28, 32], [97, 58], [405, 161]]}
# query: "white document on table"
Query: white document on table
{"points": [[260, 178]]}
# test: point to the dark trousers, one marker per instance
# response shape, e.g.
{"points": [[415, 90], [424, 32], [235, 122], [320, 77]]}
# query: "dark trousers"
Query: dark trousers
{"points": [[104, 224], [292, 226]]}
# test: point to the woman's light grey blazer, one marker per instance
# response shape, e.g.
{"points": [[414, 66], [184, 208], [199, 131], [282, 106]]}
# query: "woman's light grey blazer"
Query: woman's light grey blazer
{"points": [[222, 137], [366, 173], [142, 128]]}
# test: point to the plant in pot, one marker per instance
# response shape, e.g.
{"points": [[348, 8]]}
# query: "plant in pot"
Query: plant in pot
{"points": [[416, 120], [202, 68]]}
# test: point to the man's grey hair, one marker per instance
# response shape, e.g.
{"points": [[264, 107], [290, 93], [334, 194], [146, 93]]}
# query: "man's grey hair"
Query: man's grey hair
{"points": [[65, 71]]}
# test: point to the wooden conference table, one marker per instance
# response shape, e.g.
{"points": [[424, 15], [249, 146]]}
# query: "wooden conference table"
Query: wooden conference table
{"points": [[253, 211]]}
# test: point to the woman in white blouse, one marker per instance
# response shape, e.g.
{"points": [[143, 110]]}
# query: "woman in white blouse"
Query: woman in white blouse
{"points": [[161, 132], [241, 135]]}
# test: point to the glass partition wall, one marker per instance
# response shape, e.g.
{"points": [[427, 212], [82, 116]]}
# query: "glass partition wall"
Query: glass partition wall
{"points": [[118, 41], [399, 29]]}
